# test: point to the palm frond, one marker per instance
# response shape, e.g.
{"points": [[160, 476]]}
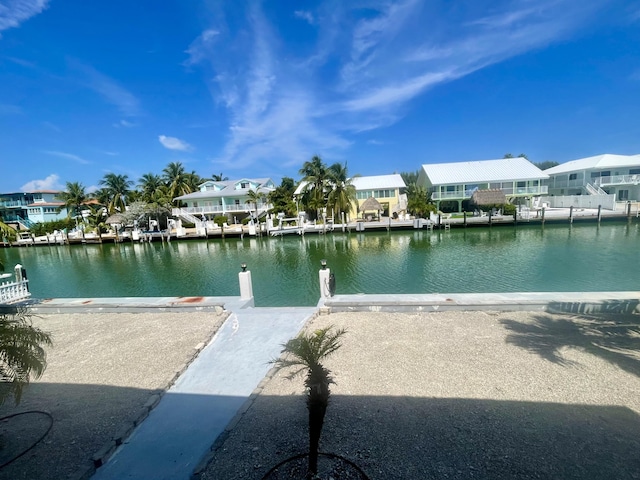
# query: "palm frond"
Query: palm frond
{"points": [[22, 355]]}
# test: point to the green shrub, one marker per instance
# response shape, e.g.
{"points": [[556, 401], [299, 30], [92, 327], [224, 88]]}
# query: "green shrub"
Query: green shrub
{"points": [[40, 229], [220, 220], [508, 209]]}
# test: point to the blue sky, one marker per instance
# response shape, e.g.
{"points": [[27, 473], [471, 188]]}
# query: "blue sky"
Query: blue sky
{"points": [[254, 89]]}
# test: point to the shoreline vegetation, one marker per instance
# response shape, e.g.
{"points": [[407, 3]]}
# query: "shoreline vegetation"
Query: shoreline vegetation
{"points": [[437, 222]]}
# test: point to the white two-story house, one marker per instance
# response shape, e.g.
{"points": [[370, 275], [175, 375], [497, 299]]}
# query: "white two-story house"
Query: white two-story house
{"points": [[517, 177], [230, 198], [617, 175]]}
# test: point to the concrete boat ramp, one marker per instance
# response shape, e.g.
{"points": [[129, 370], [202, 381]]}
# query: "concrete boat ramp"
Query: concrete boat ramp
{"points": [[176, 438]]}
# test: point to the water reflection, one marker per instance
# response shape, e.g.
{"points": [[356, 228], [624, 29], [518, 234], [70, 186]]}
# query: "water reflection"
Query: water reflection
{"points": [[285, 270]]}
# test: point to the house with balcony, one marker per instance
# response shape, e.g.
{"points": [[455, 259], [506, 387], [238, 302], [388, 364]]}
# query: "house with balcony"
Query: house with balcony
{"points": [[23, 209], [617, 175], [230, 198], [46, 207], [520, 180]]}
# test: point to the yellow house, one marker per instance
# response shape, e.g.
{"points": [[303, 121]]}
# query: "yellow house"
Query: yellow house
{"points": [[386, 189]]}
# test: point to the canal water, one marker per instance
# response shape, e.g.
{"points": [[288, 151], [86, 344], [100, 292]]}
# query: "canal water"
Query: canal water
{"points": [[555, 258]]}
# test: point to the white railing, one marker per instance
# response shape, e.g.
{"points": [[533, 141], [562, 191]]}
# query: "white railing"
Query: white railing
{"points": [[594, 189], [618, 180], [539, 190], [11, 292], [211, 209], [608, 202]]}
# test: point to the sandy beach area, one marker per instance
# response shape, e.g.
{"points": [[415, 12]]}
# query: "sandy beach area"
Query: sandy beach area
{"points": [[459, 395], [102, 370], [453, 395]]}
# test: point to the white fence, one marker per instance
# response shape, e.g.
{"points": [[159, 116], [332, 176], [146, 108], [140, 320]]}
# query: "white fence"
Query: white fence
{"points": [[608, 202], [17, 290]]}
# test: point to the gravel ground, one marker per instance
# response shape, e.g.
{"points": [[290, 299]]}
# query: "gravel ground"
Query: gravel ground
{"points": [[459, 395], [101, 370]]}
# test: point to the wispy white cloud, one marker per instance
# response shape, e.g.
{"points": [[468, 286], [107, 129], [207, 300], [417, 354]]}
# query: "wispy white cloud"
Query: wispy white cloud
{"points": [[67, 156], [201, 47], [305, 15], [15, 12], [52, 182], [114, 93], [52, 126], [369, 62], [125, 124], [173, 143], [7, 109]]}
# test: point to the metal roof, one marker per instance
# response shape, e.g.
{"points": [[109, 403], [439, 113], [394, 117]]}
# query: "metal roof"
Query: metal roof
{"points": [[606, 160], [378, 182], [482, 171], [228, 189]]}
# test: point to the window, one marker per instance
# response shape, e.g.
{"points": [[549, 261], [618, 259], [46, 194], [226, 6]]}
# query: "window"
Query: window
{"points": [[237, 202], [634, 171], [623, 195], [244, 184], [573, 176]]}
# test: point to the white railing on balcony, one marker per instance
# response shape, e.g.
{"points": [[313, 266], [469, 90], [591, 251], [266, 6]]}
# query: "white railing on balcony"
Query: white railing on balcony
{"points": [[538, 190], [618, 180], [219, 209]]}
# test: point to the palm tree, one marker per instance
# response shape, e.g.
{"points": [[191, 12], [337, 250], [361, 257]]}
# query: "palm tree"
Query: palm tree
{"points": [[96, 219], [176, 179], [418, 200], [73, 197], [306, 352], [219, 178], [314, 172], [116, 188], [149, 184], [342, 197], [21, 353], [8, 232], [254, 197]]}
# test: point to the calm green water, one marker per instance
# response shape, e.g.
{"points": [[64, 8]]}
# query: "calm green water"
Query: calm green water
{"points": [[285, 270]]}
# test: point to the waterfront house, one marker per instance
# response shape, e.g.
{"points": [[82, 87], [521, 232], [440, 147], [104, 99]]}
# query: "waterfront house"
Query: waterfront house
{"points": [[46, 207], [23, 209], [388, 190], [617, 175], [519, 180], [230, 198]]}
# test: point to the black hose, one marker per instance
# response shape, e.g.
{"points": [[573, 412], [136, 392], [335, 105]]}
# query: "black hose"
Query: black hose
{"points": [[37, 441], [302, 455]]}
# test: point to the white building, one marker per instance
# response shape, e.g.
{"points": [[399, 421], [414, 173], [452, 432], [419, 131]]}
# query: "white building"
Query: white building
{"points": [[516, 177], [229, 197], [611, 174]]}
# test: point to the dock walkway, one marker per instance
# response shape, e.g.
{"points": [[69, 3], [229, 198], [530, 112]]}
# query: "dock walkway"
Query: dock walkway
{"points": [[180, 430]]}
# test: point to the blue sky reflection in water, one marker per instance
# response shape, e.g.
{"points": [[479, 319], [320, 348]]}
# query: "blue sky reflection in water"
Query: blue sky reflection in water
{"points": [[285, 270]]}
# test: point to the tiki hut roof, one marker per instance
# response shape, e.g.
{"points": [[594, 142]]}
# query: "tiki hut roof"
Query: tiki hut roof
{"points": [[493, 196], [371, 204], [117, 218]]}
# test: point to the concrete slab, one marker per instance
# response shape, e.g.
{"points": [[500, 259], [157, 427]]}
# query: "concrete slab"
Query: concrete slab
{"points": [[575, 302], [179, 432]]}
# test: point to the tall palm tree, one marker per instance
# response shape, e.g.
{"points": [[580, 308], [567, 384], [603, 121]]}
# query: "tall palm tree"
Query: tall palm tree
{"points": [[149, 184], [176, 179], [314, 172], [116, 187], [307, 352], [21, 353], [73, 197], [342, 196]]}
